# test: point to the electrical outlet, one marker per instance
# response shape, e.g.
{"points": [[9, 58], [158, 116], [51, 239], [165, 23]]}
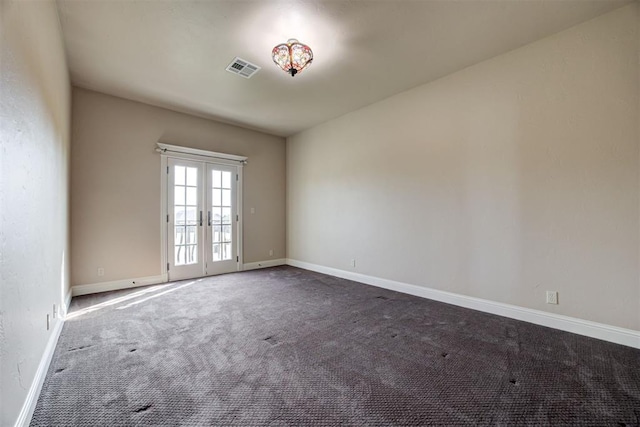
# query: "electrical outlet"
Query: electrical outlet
{"points": [[253, 210], [100, 271], [552, 297], [353, 263], [55, 311], [270, 252]]}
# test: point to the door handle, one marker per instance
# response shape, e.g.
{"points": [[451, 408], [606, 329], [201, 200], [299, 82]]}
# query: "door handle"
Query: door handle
{"points": [[209, 218], [200, 218]]}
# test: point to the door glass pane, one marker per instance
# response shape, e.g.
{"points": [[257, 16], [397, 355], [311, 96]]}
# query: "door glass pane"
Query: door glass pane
{"points": [[192, 177], [179, 255], [216, 214], [217, 255], [217, 233], [226, 179], [192, 236], [180, 238], [192, 254], [192, 196], [192, 215], [217, 182], [216, 197], [226, 215], [179, 173], [226, 233], [226, 197], [226, 251], [179, 217], [179, 195]]}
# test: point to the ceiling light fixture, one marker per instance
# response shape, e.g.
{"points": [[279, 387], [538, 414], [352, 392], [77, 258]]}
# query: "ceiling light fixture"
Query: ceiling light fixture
{"points": [[292, 56]]}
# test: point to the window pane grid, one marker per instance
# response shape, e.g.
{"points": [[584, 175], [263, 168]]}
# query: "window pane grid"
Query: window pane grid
{"points": [[221, 232], [185, 215]]}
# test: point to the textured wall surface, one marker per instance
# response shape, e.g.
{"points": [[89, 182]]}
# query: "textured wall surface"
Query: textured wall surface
{"points": [[34, 133], [115, 184], [509, 178]]}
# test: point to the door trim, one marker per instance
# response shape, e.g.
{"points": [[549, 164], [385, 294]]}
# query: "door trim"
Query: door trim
{"points": [[192, 269], [207, 157]]}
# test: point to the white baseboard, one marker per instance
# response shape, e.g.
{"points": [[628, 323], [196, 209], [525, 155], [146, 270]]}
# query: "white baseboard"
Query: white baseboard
{"points": [[264, 264], [115, 285], [601, 331], [30, 402]]}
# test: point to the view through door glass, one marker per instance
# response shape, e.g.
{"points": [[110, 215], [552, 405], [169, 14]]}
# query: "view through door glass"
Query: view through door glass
{"points": [[186, 215], [221, 208]]}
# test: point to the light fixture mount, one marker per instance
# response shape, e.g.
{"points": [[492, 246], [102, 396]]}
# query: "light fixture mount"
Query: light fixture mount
{"points": [[292, 56]]}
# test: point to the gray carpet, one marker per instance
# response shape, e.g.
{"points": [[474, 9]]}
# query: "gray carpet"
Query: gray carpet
{"points": [[285, 346]]}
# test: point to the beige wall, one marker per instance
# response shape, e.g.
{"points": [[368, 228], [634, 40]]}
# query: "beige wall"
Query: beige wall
{"points": [[115, 184], [509, 178], [34, 136]]}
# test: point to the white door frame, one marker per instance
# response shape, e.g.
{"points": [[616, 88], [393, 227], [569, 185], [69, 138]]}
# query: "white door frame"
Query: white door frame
{"points": [[193, 269], [166, 151]]}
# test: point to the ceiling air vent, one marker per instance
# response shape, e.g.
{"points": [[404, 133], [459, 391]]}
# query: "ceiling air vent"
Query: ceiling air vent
{"points": [[243, 68]]}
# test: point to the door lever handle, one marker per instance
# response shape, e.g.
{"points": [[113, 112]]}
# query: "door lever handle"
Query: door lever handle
{"points": [[200, 218], [209, 218]]}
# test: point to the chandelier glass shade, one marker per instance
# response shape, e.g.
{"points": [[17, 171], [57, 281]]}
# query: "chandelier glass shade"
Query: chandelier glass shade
{"points": [[292, 56]]}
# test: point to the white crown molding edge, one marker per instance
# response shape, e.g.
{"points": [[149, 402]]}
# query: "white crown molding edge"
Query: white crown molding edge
{"points": [[627, 337], [30, 402], [94, 288], [264, 264]]}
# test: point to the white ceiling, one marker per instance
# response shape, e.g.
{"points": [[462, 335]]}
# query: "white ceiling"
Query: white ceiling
{"points": [[174, 53]]}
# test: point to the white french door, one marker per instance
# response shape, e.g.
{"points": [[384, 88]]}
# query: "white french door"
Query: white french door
{"points": [[184, 218], [222, 219], [202, 219]]}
